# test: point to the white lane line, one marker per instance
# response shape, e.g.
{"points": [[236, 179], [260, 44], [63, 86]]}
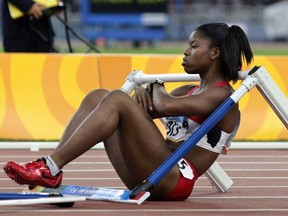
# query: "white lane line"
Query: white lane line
{"points": [[11, 188], [230, 170], [202, 177], [222, 162], [259, 178], [76, 163], [196, 187], [254, 177], [164, 209], [33, 156], [76, 179], [227, 170], [256, 170], [253, 156], [239, 197], [253, 162], [39, 145], [89, 170], [259, 186], [105, 156]]}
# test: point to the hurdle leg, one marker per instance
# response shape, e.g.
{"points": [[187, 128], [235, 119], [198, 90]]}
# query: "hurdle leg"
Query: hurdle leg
{"points": [[272, 94], [277, 101], [219, 178]]}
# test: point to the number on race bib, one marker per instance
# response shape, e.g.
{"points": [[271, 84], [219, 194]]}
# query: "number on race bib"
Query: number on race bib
{"points": [[185, 169]]}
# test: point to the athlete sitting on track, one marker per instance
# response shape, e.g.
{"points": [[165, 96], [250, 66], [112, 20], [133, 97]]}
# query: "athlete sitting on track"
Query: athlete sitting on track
{"points": [[134, 144]]}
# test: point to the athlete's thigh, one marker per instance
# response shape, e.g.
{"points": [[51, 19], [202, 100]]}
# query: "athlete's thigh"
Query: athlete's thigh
{"points": [[141, 145]]}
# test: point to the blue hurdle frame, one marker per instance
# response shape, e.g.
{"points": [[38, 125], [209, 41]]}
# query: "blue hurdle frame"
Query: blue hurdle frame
{"points": [[249, 83]]}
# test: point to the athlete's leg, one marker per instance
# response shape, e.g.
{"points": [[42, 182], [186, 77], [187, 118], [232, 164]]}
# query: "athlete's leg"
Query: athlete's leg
{"points": [[88, 104], [113, 151], [32, 173], [120, 163], [141, 144]]}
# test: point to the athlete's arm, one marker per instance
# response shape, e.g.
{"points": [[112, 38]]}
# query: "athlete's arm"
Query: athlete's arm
{"points": [[201, 104]]}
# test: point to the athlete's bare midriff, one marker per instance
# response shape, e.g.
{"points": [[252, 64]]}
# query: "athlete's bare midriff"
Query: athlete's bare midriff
{"points": [[199, 157]]}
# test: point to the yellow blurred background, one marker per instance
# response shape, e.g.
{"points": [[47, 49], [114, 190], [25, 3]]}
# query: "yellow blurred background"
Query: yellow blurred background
{"points": [[39, 93]]}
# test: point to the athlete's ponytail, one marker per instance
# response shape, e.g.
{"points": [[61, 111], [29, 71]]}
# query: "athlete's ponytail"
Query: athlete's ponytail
{"points": [[233, 45]]}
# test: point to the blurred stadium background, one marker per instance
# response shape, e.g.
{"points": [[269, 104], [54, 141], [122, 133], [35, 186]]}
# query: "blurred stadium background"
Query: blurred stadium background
{"points": [[133, 26], [165, 24]]}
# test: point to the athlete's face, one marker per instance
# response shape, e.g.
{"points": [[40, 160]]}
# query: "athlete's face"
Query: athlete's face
{"points": [[197, 57]]}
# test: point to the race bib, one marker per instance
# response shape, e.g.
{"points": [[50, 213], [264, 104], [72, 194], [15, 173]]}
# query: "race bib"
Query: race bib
{"points": [[175, 130], [185, 169]]}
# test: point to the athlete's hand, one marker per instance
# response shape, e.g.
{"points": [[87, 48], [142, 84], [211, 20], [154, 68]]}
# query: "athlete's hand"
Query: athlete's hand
{"points": [[143, 98], [36, 10]]}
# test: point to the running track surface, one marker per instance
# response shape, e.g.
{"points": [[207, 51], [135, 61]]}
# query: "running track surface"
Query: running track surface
{"points": [[260, 187]]}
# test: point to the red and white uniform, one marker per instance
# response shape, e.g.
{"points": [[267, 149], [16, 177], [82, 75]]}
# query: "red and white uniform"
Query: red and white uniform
{"points": [[180, 128]]}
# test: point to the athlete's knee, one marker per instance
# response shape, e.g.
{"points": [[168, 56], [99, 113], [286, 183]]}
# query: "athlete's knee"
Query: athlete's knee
{"points": [[116, 99], [98, 93], [93, 97], [118, 95]]}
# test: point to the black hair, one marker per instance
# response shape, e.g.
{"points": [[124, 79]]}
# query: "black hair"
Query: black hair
{"points": [[233, 45]]}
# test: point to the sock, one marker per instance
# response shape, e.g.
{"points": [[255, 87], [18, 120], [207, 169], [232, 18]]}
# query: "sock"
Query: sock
{"points": [[52, 166]]}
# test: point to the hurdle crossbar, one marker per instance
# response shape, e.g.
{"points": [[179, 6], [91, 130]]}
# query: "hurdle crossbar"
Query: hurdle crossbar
{"points": [[137, 78]]}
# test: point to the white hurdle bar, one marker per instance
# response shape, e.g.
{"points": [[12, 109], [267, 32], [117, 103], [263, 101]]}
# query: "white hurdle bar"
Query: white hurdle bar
{"points": [[137, 78], [265, 84]]}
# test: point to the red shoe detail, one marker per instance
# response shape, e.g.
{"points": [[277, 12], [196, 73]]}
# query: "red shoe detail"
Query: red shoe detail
{"points": [[33, 173]]}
